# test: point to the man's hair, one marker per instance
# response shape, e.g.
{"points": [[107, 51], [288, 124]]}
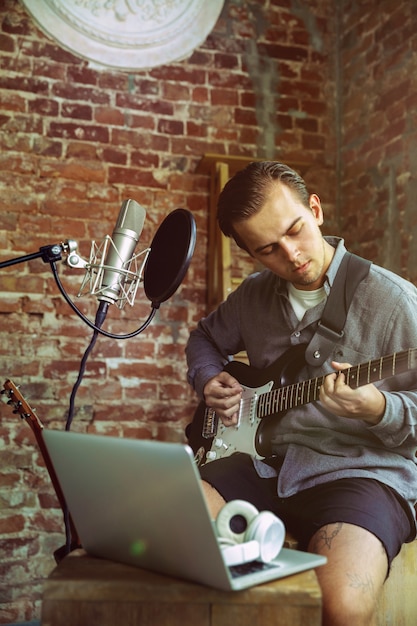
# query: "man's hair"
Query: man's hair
{"points": [[246, 192]]}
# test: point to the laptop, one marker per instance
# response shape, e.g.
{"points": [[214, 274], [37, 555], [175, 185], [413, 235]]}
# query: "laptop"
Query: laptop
{"points": [[140, 502]]}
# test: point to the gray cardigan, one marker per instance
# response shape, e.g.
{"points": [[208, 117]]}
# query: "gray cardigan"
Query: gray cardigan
{"points": [[313, 446]]}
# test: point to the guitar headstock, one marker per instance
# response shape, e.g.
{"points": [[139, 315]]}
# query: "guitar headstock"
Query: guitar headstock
{"points": [[20, 406]]}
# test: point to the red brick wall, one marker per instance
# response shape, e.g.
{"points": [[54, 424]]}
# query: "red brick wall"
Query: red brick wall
{"points": [[76, 141], [378, 131]]}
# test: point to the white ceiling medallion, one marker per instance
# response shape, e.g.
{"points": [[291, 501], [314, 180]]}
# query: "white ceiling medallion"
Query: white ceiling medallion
{"points": [[127, 34]]}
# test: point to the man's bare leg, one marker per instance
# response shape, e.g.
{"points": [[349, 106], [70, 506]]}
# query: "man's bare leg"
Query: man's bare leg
{"points": [[354, 575], [214, 500]]}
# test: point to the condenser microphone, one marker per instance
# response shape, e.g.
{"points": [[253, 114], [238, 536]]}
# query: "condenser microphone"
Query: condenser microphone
{"points": [[116, 266]]}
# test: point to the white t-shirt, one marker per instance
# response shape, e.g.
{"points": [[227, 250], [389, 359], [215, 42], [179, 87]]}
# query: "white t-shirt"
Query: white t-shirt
{"points": [[302, 300]]}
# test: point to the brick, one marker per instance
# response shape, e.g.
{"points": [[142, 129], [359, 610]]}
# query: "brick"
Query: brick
{"points": [[19, 547], [12, 102], [43, 67], [172, 91], [134, 102], [88, 171], [6, 43], [25, 83], [44, 106], [201, 57], [226, 134], [196, 130], [47, 147], [289, 53], [248, 136], [179, 73], [8, 479], [112, 155], [14, 523], [193, 146], [113, 81], [81, 74], [17, 24], [247, 99], [245, 116], [229, 80], [110, 116], [24, 124], [224, 97], [50, 51], [147, 122], [308, 124], [146, 160], [132, 177], [199, 94], [81, 150], [226, 61], [77, 111], [79, 131], [69, 92], [170, 127]]}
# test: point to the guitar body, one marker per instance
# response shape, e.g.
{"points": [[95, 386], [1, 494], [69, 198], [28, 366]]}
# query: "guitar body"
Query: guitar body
{"points": [[210, 439]]}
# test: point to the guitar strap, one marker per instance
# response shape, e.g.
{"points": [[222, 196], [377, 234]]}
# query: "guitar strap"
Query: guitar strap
{"points": [[352, 270]]}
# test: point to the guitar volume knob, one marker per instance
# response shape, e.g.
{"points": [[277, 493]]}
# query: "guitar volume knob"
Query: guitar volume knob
{"points": [[218, 443], [211, 455]]}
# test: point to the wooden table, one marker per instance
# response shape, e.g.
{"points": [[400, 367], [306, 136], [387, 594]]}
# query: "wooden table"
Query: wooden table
{"points": [[83, 590]]}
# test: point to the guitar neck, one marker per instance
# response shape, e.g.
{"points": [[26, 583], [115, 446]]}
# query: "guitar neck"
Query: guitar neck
{"points": [[303, 392]]}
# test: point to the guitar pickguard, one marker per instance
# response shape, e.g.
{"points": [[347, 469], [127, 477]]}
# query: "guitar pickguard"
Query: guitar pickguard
{"points": [[243, 436], [210, 439]]}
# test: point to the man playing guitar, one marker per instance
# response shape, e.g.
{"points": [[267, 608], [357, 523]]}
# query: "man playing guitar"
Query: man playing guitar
{"points": [[340, 470]]}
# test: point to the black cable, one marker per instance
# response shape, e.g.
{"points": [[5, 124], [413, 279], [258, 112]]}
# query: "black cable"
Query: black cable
{"points": [[94, 326], [100, 317]]}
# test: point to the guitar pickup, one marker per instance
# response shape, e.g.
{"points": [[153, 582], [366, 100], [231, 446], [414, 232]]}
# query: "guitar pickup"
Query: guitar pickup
{"points": [[252, 408], [210, 423]]}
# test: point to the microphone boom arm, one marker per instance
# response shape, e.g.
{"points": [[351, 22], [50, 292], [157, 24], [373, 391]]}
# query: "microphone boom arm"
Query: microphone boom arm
{"points": [[48, 254], [53, 253]]}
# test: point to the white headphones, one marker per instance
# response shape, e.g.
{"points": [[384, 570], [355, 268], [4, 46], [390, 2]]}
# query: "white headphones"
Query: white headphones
{"points": [[262, 539]]}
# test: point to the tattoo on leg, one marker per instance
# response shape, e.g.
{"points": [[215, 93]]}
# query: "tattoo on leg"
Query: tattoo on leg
{"points": [[324, 538], [356, 581]]}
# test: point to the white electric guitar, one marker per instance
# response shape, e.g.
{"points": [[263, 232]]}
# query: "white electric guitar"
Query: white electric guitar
{"points": [[268, 394]]}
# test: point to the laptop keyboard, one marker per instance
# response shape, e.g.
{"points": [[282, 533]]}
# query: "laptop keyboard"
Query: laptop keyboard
{"points": [[250, 568]]}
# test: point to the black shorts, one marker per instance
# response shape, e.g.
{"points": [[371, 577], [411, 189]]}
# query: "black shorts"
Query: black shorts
{"points": [[363, 502]]}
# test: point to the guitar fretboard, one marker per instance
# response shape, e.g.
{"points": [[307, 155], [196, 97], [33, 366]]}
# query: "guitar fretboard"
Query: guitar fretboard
{"points": [[297, 394]]}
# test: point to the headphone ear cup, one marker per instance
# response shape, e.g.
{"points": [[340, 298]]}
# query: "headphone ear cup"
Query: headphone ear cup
{"points": [[235, 548], [269, 531], [231, 509], [262, 539]]}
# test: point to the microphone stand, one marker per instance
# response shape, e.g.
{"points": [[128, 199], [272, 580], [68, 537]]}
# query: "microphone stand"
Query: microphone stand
{"points": [[51, 254]]}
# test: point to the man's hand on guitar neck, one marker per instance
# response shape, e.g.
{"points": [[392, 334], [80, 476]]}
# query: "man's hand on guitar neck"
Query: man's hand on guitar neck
{"points": [[223, 394], [366, 403]]}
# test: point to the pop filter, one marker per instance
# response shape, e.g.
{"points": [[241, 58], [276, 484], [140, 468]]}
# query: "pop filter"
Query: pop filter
{"points": [[171, 250]]}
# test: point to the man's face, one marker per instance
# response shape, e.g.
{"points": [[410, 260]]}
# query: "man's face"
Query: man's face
{"points": [[285, 237]]}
